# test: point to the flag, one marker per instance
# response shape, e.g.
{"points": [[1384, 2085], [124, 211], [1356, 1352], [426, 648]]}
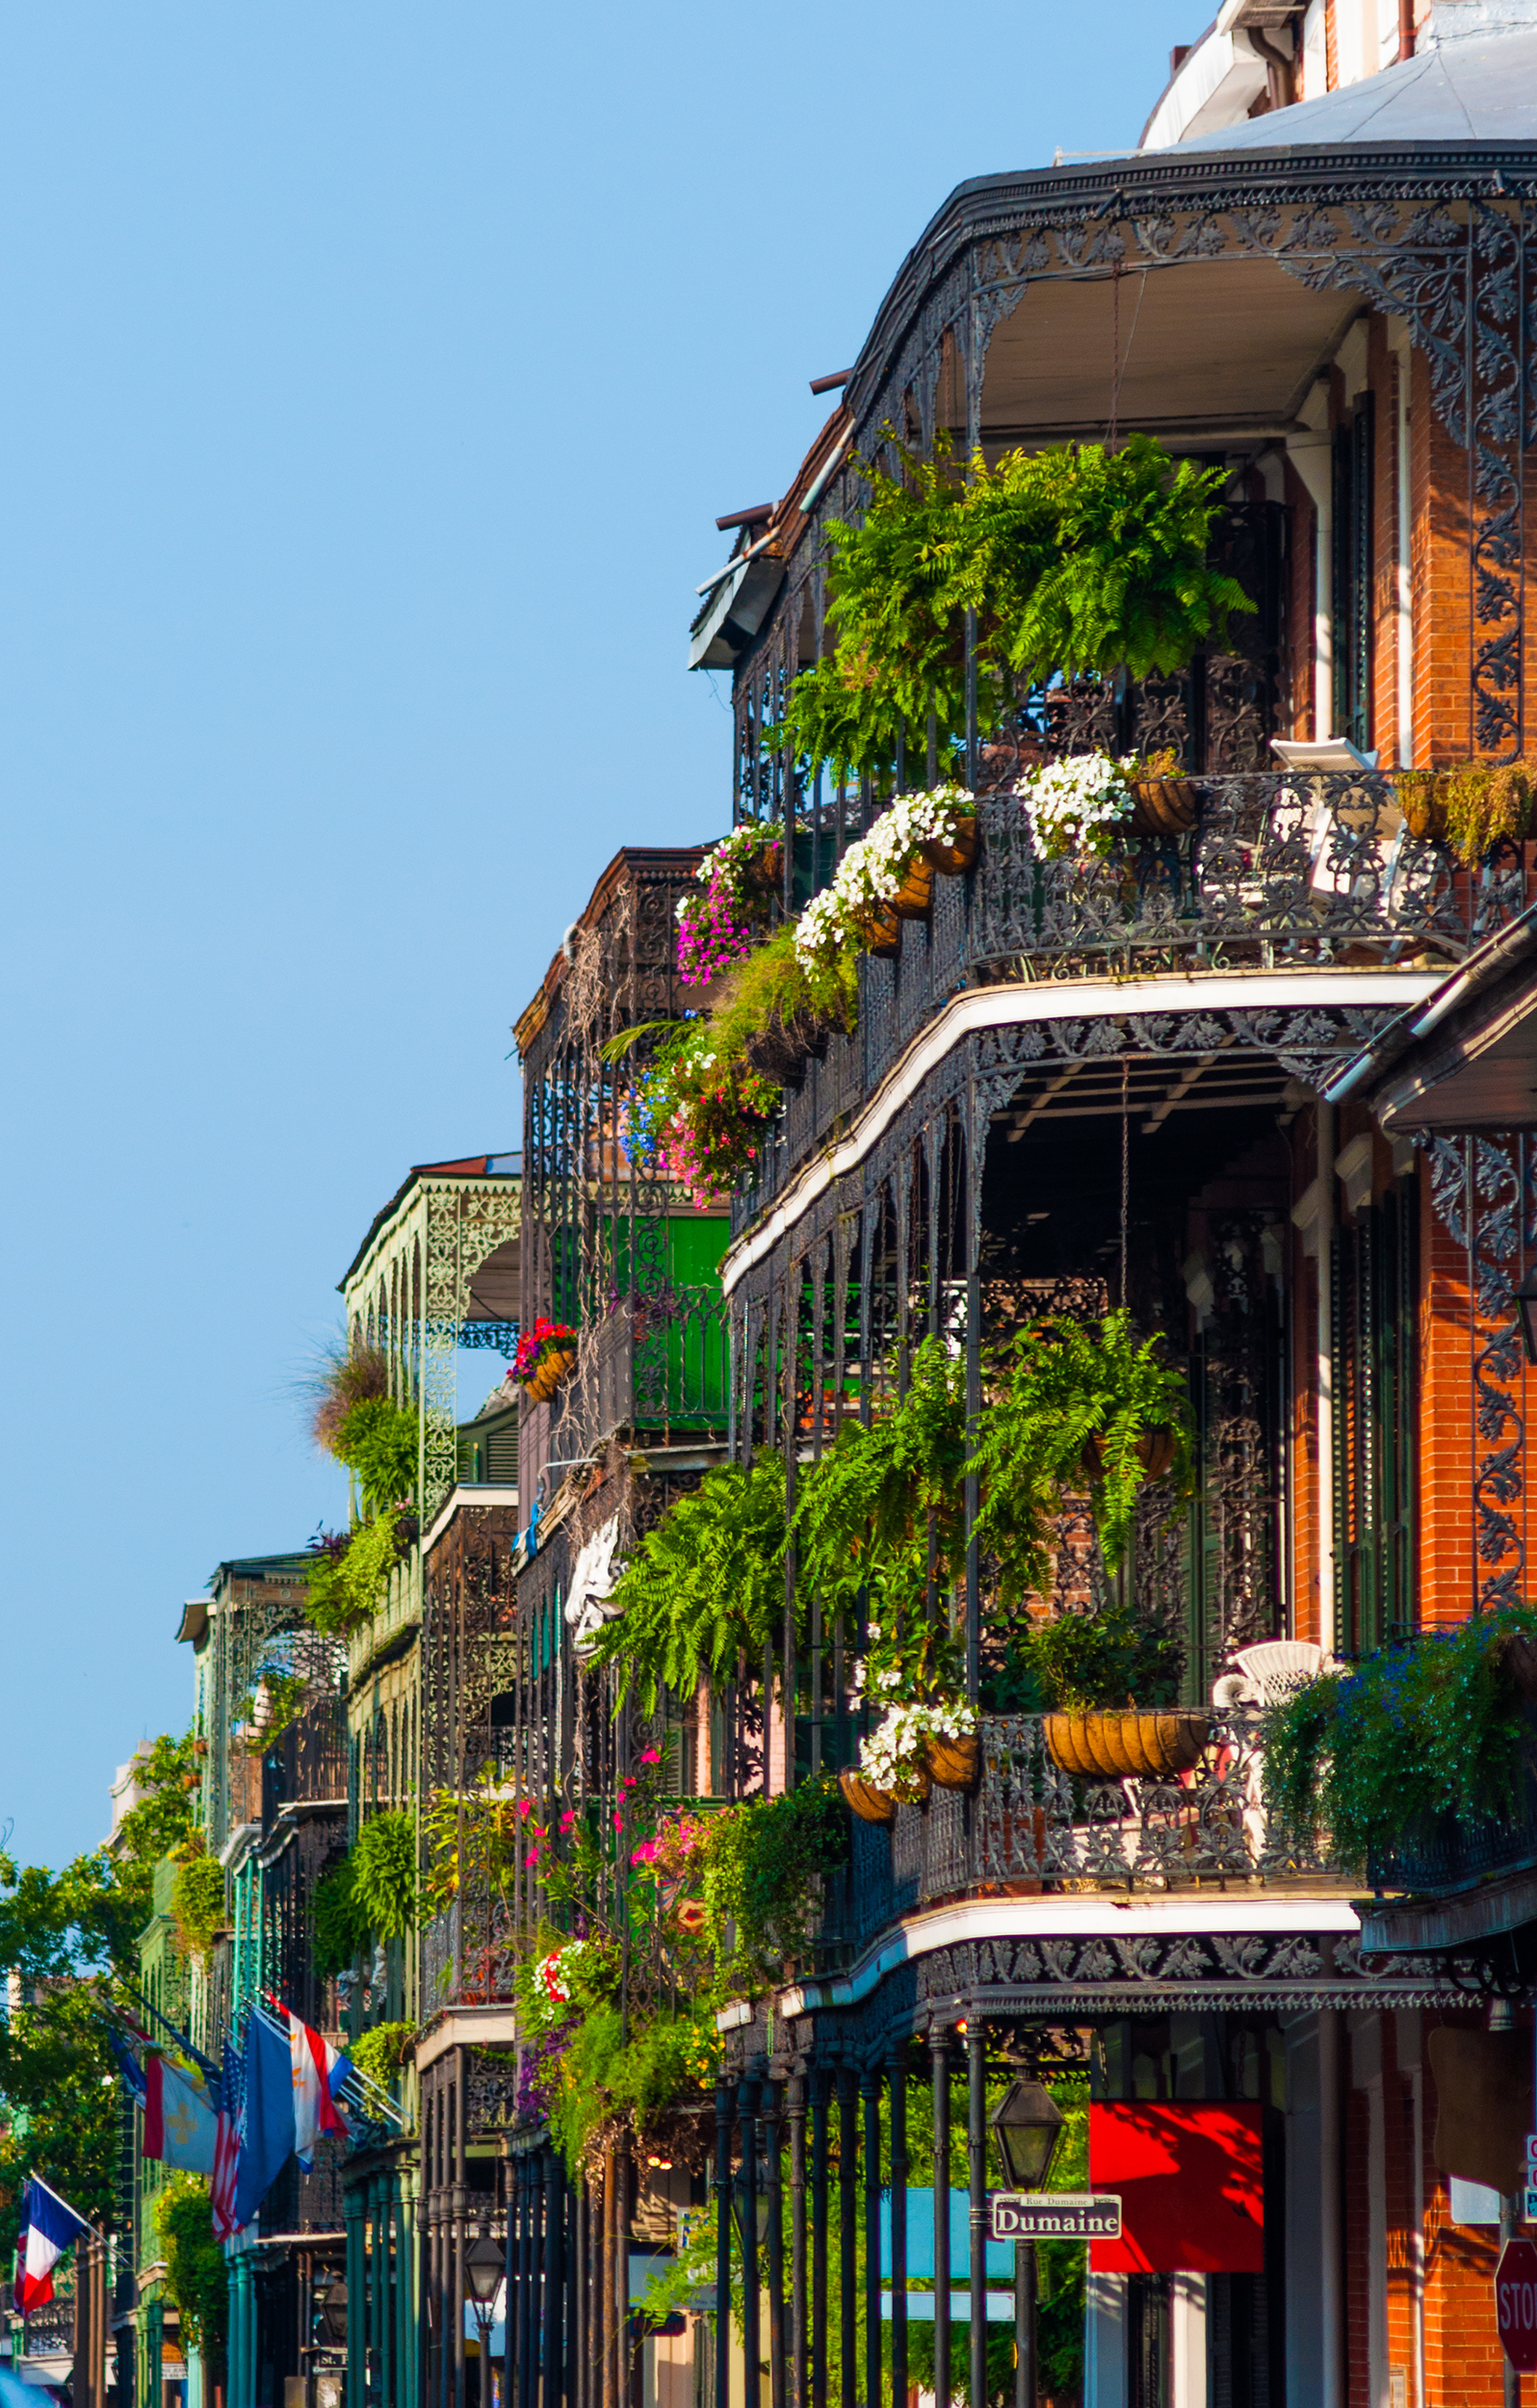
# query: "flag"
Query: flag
{"points": [[128, 2067], [267, 2115], [318, 2071], [181, 2115], [226, 2149], [48, 2228]]}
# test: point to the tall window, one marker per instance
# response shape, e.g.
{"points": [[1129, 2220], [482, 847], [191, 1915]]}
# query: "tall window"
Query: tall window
{"points": [[1352, 575], [1374, 1424]]}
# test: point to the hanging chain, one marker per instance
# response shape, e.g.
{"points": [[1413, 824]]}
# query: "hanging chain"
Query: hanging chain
{"points": [[1126, 1162]]}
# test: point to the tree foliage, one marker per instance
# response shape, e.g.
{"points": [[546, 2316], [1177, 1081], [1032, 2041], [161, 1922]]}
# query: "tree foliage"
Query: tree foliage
{"points": [[68, 1937], [197, 2275]]}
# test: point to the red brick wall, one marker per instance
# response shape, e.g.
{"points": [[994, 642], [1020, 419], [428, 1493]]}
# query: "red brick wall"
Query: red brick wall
{"points": [[1438, 472]]}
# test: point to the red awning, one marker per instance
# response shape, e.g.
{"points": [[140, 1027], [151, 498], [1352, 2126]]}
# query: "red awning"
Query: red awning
{"points": [[1192, 2185]]}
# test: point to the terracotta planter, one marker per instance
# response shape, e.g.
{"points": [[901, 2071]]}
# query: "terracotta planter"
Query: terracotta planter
{"points": [[951, 860], [1145, 1743], [880, 928], [913, 898], [548, 1373], [870, 1804], [1165, 806], [953, 1764], [1156, 1451]]}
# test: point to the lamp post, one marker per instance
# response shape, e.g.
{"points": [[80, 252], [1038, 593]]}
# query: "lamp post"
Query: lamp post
{"points": [[1027, 2126], [483, 2273]]}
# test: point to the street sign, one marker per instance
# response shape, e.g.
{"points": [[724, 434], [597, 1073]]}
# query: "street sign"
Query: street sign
{"points": [[1516, 2304], [1056, 2216], [1531, 2155], [1528, 2204]]}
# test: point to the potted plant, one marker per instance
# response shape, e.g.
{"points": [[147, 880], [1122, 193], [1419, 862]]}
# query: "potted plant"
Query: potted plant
{"points": [[545, 1356], [1078, 805], [1167, 803], [737, 881]]}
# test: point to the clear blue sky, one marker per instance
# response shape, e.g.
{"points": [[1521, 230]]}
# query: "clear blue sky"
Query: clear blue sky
{"points": [[370, 379]]}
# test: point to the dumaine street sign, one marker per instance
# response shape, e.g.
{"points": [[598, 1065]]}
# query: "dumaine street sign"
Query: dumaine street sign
{"points": [[1055, 2215]]}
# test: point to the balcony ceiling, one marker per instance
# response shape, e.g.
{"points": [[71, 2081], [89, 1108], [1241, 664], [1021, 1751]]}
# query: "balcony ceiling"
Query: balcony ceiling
{"points": [[1208, 348], [494, 1287]]}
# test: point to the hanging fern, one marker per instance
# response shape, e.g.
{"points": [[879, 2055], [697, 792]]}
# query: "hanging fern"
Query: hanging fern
{"points": [[1070, 1407], [383, 1862], [866, 1507], [338, 1924], [704, 1587]]}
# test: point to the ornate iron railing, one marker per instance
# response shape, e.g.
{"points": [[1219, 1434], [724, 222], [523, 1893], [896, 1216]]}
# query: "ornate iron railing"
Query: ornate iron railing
{"points": [[1281, 872], [655, 1362], [1031, 1828], [1450, 1854]]}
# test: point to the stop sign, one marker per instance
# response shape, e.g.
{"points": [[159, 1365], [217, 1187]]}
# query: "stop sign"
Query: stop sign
{"points": [[1516, 2303]]}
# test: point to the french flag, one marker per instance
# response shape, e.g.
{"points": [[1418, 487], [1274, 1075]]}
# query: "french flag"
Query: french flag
{"points": [[48, 2226], [319, 2073]]}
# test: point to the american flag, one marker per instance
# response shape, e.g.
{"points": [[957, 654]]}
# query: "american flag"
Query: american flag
{"points": [[227, 2149]]}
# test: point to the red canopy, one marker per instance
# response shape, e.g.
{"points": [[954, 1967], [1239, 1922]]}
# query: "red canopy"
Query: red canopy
{"points": [[1192, 2185]]}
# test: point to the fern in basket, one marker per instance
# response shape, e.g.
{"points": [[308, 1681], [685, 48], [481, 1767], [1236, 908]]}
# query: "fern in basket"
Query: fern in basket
{"points": [[1072, 1405], [704, 1587], [866, 1507]]}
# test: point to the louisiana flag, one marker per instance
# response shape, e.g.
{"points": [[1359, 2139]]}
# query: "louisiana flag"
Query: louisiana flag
{"points": [[48, 2228]]}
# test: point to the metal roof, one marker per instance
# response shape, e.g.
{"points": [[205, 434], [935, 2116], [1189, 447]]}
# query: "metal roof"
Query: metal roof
{"points": [[1477, 87]]}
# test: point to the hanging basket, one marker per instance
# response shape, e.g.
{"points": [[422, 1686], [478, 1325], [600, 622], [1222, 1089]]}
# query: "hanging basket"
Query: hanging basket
{"points": [[548, 1372], [953, 1764], [1155, 1451], [870, 1804], [1165, 806], [880, 929], [775, 1052], [953, 859], [914, 899], [1142, 1742]]}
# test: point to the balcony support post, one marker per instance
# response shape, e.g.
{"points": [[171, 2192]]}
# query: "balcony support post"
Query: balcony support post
{"points": [[897, 2111], [821, 2093], [773, 2193], [870, 2094], [976, 2158], [751, 2340], [722, 2245], [554, 2278], [799, 2388], [939, 2078], [847, 2237]]}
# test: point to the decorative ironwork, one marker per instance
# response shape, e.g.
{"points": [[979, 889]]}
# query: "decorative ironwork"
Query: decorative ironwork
{"points": [[1485, 1192], [493, 1337]]}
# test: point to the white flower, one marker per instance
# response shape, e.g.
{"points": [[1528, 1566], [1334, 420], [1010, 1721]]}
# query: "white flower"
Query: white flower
{"points": [[1076, 805], [891, 1756], [873, 869]]}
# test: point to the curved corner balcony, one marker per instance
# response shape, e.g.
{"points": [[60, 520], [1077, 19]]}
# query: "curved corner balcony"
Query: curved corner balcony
{"points": [[1295, 894]]}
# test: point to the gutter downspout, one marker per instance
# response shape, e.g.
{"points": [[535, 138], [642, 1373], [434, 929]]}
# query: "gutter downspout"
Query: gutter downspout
{"points": [[1327, 1633], [1311, 455]]}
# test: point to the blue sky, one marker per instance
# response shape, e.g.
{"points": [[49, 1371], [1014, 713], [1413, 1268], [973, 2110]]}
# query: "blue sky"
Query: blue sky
{"points": [[371, 378]]}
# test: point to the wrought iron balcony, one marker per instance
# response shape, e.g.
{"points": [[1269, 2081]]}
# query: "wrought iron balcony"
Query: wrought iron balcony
{"points": [[1282, 871], [1033, 1830]]}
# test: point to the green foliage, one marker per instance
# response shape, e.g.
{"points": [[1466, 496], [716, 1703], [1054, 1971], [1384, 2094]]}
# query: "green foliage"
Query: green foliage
{"points": [[282, 1697], [606, 2079], [377, 1442], [383, 1862], [1076, 559], [197, 2275], [1371, 1756], [705, 1585], [198, 1899], [761, 1860], [1084, 1660], [382, 2051], [338, 1925], [865, 1508], [66, 1936], [349, 1578], [1070, 1405]]}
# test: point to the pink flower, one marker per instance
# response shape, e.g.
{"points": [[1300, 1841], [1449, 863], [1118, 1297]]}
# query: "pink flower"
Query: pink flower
{"points": [[525, 1805], [645, 1854], [568, 1819], [629, 1781], [618, 1820], [533, 1857], [651, 1756]]}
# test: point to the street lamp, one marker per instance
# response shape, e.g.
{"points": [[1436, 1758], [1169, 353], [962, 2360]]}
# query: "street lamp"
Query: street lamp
{"points": [[1027, 2126], [485, 2268], [332, 2305], [1526, 1298]]}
